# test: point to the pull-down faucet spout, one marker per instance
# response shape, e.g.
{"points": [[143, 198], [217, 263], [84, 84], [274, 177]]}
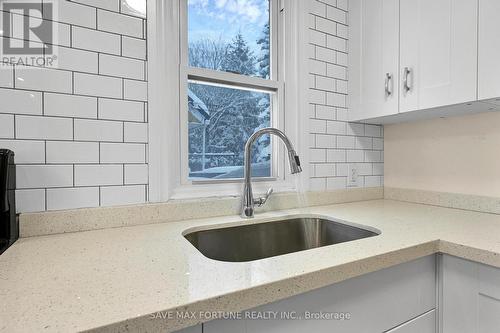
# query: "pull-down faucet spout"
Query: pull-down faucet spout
{"points": [[248, 202]]}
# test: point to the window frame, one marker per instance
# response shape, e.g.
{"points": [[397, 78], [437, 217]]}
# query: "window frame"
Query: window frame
{"points": [[167, 106], [274, 85]]}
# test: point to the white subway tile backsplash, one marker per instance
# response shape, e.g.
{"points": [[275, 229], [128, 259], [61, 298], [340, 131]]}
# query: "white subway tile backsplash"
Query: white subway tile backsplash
{"points": [[113, 5], [317, 96], [67, 125], [325, 55], [378, 144], [346, 142], [317, 155], [49, 128], [317, 38], [373, 130], [317, 67], [29, 201], [325, 83], [317, 126], [44, 176], [27, 152], [342, 59], [64, 152], [121, 110], [98, 130], [342, 31], [334, 99], [336, 43], [77, 60], [136, 132], [135, 90], [6, 75], [74, 13], [325, 141], [373, 181], [134, 47], [6, 126], [136, 174], [119, 23], [343, 4], [96, 85], [317, 184], [63, 34], [70, 106], [336, 155], [336, 183], [95, 175], [336, 71], [122, 67], [324, 170], [364, 169], [378, 169], [72, 198], [317, 8], [336, 127], [43, 79], [363, 142], [373, 156], [325, 112], [123, 195], [97, 41], [20, 102], [336, 14], [326, 26], [123, 153], [355, 156], [356, 129]]}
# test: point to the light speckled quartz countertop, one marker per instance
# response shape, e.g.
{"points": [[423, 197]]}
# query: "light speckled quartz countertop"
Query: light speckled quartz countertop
{"points": [[112, 280]]}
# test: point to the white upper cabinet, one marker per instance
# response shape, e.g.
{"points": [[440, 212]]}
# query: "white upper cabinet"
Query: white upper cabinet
{"points": [[438, 40], [489, 49], [415, 59], [374, 63]]}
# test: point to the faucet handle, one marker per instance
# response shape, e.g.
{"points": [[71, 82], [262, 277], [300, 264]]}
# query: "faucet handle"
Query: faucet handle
{"points": [[262, 200]]}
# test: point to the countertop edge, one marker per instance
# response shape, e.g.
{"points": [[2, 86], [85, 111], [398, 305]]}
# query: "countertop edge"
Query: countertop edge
{"points": [[271, 292]]}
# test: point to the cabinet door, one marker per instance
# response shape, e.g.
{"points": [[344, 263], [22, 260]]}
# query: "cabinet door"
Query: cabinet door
{"points": [[470, 297], [438, 53], [373, 56], [489, 49]]}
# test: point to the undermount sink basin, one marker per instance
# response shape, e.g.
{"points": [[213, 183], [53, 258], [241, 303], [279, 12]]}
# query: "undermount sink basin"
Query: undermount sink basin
{"points": [[263, 240]]}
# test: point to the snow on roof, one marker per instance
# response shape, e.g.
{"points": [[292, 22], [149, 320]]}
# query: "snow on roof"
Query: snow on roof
{"points": [[197, 109]]}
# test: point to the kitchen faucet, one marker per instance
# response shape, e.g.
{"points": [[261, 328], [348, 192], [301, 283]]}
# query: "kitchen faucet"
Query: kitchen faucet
{"points": [[248, 202]]}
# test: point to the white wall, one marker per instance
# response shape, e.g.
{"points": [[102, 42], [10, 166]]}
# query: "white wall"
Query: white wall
{"points": [[334, 142], [80, 131], [457, 155]]}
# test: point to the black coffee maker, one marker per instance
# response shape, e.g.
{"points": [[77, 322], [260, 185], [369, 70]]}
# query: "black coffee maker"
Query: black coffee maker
{"points": [[9, 226]]}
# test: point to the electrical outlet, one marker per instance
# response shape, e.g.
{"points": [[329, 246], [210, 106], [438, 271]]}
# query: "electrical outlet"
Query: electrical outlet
{"points": [[353, 179]]}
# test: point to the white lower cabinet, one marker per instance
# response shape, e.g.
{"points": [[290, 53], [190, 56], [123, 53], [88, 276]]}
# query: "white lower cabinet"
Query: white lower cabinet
{"points": [[470, 297], [401, 298]]}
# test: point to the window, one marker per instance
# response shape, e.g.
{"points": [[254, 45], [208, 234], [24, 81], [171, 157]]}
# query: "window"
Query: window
{"points": [[183, 155], [231, 87]]}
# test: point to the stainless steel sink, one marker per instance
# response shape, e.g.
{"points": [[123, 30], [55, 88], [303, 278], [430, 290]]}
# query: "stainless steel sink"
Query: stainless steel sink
{"points": [[263, 240]]}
